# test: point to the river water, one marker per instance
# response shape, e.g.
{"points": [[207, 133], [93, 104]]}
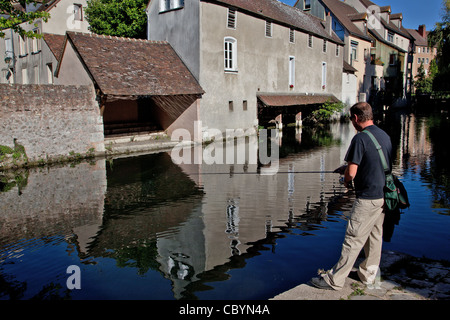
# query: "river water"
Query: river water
{"points": [[144, 227]]}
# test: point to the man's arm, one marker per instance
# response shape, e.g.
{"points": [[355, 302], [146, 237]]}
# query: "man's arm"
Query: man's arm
{"points": [[350, 174]]}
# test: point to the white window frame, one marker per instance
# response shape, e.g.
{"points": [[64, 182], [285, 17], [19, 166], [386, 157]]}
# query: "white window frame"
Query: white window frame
{"points": [[22, 46], [77, 12], [390, 36], [230, 54], [50, 79], [167, 5], [35, 42], [9, 48], [338, 50], [353, 51], [291, 71], [324, 75], [25, 79], [306, 5]]}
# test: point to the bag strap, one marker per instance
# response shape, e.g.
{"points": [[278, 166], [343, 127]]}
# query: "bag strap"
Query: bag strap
{"points": [[380, 151]]}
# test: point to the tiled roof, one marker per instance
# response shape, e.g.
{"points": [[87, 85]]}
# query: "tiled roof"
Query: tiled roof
{"points": [[281, 13], [282, 100], [132, 67], [419, 40], [346, 14], [348, 68], [55, 42]]}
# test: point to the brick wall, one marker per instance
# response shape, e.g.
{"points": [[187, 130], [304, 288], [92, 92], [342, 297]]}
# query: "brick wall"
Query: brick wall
{"points": [[50, 121]]}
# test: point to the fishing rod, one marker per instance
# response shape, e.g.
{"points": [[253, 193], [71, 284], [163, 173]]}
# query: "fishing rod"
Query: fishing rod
{"points": [[278, 172], [339, 170]]}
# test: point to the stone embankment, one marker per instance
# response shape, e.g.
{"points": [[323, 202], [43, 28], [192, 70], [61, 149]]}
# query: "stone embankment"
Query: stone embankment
{"points": [[403, 277]]}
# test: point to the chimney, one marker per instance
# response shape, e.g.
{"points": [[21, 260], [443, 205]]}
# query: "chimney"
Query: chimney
{"points": [[328, 24], [422, 30]]}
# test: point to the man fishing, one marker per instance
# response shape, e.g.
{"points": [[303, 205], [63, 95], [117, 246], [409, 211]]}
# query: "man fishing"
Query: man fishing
{"points": [[365, 225]]}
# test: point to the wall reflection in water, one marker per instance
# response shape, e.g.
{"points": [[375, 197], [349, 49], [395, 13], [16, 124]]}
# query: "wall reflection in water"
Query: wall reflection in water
{"points": [[188, 224]]}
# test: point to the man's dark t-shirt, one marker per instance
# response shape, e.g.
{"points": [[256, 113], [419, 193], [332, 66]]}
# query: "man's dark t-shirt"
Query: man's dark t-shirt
{"points": [[370, 177]]}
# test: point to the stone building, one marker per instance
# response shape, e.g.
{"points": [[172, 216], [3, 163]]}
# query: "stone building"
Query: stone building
{"points": [[32, 60], [423, 53], [140, 85], [246, 52]]}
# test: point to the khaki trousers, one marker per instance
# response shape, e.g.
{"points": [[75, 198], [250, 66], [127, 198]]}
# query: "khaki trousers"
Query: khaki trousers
{"points": [[364, 230]]}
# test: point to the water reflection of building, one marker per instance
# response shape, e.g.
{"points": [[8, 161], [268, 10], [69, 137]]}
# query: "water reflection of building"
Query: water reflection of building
{"points": [[57, 200], [414, 146], [184, 221]]}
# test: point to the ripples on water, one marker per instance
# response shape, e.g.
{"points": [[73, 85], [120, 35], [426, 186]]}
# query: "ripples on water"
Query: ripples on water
{"points": [[145, 228]]}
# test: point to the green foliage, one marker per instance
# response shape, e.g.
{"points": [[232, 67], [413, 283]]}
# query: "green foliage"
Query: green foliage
{"points": [[440, 37], [16, 17], [121, 18], [424, 83], [326, 111]]}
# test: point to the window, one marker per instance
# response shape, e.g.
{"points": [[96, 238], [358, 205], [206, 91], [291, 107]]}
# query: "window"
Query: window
{"points": [[231, 19], [8, 49], [49, 73], [291, 71], [324, 75], [230, 105], [324, 48], [392, 59], [77, 12], [353, 52], [390, 36], [418, 60], [291, 35], [427, 61], [307, 5], [268, 29], [230, 54], [244, 105], [35, 42], [310, 40], [166, 5], [337, 50], [36, 74], [25, 76], [22, 46]]}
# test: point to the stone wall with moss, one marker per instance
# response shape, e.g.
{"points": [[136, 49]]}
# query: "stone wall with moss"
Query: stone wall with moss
{"points": [[47, 123]]}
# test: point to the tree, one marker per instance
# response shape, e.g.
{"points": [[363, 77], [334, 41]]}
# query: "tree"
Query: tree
{"points": [[12, 17], [122, 18], [440, 37], [326, 111], [423, 84]]}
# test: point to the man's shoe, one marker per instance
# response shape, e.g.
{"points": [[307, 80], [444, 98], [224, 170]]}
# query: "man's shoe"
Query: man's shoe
{"points": [[320, 283]]}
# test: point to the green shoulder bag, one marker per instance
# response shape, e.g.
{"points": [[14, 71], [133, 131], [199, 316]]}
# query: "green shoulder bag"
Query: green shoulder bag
{"points": [[395, 195]]}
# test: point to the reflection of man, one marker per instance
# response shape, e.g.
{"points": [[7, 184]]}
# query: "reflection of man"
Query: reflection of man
{"points": [[365, 225]]}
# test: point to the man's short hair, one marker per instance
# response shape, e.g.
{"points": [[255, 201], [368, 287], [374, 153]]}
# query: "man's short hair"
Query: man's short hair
{"points": [[363, 110]]}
